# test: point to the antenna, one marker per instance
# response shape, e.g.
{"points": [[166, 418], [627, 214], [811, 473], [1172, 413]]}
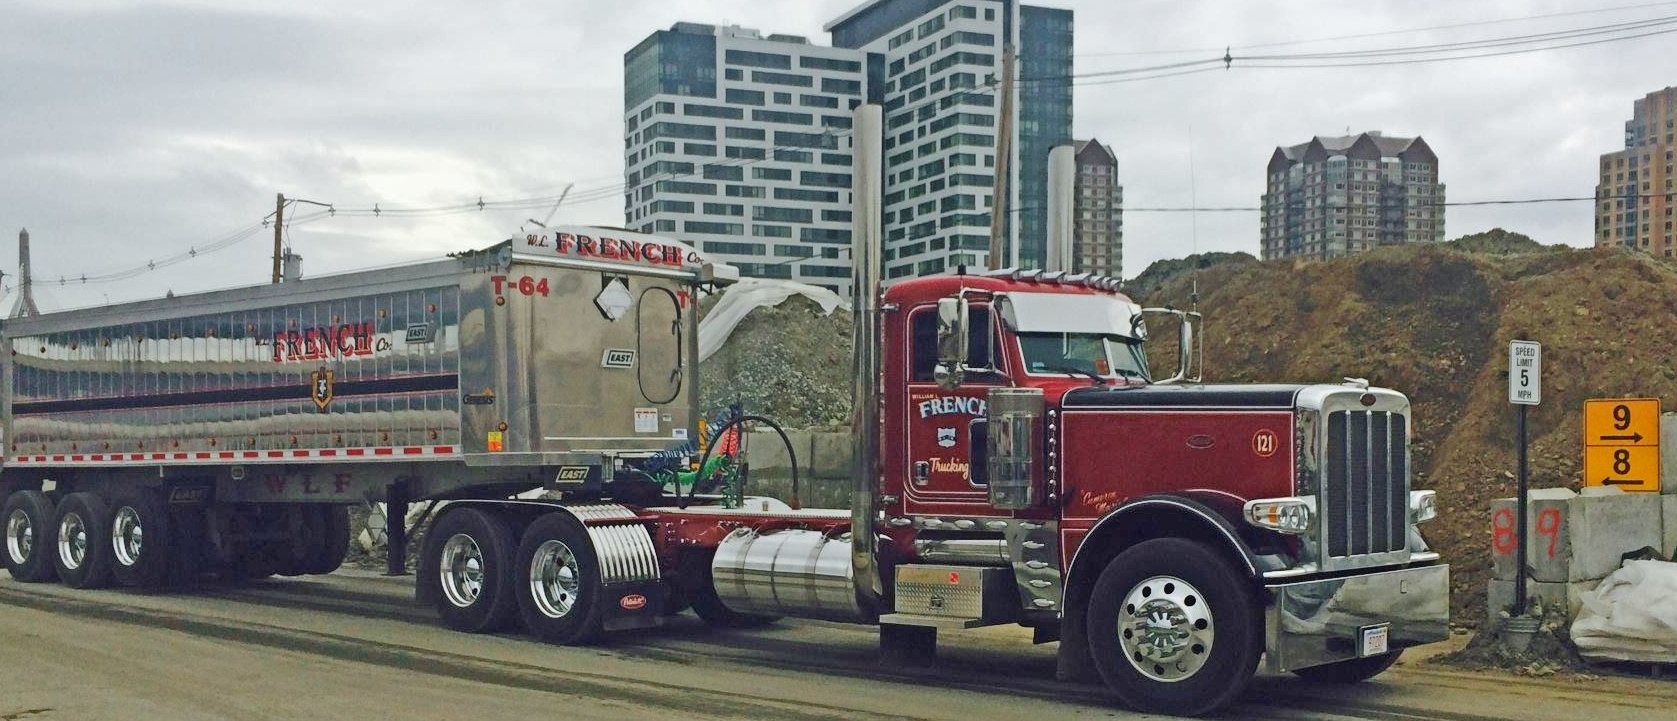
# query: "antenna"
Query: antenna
{"points": [[557, 203]]}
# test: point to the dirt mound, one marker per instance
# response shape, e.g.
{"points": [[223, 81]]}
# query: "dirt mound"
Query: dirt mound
{"points": [[790, 362], [1434, 322]]}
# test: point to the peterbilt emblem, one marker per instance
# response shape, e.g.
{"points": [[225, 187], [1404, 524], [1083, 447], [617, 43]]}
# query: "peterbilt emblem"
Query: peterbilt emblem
{"points": [[1264, 443], [946, 437], [632, 602], [1201, 442]]}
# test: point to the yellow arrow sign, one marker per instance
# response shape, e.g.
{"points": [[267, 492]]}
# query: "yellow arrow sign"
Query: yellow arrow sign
{"points": [[1622, 422], [1632, 468]]}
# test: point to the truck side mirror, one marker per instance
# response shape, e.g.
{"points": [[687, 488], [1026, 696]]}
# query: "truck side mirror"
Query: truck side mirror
{"points": [[952, 322], [1187, 348]]}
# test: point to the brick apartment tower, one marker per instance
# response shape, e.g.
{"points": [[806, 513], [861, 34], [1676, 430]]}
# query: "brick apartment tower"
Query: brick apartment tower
{"points": [[1343, 195], [1635, 198]]}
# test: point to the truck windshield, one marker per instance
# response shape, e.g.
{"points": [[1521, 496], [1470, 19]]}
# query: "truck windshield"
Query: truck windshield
{"points": [[1105, 356]]}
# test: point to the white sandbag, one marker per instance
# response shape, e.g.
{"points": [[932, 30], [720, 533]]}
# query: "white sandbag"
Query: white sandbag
{"points": [[749, 294], [1631, 616]]}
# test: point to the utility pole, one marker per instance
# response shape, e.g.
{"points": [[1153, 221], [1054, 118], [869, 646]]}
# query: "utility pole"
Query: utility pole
{"points": [[279, 226], [1004, 149]]}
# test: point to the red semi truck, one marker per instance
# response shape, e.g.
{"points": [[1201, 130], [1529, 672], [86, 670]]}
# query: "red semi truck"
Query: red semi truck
{"points": [[1016, 461], [1019, 464]]}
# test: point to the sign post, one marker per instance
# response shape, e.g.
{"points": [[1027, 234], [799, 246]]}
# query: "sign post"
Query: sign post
{"points": [[1622, 443], [1525, 388]]}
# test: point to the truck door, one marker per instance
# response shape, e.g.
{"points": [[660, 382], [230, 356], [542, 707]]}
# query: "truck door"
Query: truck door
{"points": [[938, 422]]}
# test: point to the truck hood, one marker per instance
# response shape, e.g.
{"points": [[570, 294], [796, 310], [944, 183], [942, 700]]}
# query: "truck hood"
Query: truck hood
{"points": [[1197, 396]]}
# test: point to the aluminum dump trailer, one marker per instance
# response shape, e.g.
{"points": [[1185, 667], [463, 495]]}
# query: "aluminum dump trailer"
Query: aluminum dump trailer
{"points": [[543, 361]]}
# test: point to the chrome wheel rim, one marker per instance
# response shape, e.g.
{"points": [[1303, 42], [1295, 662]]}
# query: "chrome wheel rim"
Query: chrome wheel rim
{"points": [[127, 536], [72, 541], [20, 537], [1166, 629], [555, 579], [462, 570]]}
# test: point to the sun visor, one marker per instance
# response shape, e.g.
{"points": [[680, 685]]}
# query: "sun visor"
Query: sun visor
{"points": [[1067, 313]]}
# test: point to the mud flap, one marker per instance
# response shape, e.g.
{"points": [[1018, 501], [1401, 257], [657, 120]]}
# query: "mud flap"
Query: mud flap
{"points": [[634, 604]]}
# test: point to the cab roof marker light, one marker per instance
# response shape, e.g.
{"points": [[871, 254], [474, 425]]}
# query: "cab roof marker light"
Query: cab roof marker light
{"points": [[1293, 516], [1056, 277]]}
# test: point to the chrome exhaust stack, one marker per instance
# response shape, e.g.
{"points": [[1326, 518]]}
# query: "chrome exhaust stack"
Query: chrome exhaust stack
{"points": [[866, 231]]}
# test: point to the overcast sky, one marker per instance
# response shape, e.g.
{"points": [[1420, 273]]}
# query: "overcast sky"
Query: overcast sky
{"points": [[134, 132]]}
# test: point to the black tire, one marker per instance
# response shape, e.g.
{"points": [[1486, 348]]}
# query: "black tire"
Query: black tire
{"points": [[558, 581], [27, 520], [334, 546], [1205, 657], [468, 562], [141, 539], [305, 530], [81, 551], [1356, 670], [190, 548]]}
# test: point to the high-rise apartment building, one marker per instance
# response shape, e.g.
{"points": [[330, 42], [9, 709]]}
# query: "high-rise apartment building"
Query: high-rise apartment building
{"points": [[1098, 211], [736, 143], [1636, 198], [1337, 196], [943, 61], [739, 142]]}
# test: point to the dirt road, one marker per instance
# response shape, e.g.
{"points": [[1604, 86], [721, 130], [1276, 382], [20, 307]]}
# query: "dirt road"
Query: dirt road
{"points": [[352, 645]]}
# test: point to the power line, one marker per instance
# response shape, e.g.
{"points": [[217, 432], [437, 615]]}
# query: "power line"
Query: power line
{"points": [[1384, 33]]}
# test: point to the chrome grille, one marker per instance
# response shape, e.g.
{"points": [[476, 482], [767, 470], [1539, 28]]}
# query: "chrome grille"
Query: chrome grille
{"points": [[1365, 484]]}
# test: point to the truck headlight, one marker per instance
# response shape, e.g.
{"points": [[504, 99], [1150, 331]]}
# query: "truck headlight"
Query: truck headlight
{"points": [[1284, 515], [1423, 506]]}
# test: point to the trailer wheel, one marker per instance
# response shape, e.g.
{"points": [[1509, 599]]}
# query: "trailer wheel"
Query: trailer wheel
{"points": [[559, 581], [1173, 629], [335, 544], [82, 556], [1355, 670], [469, 556], [27, 519], [140, 538], [305, 539]]}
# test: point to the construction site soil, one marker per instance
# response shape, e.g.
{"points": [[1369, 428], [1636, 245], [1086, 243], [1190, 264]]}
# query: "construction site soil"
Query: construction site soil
{"points": [[1432, 321]]}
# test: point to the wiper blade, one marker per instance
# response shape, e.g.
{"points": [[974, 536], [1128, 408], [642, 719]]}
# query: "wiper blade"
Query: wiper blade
{"points": [[1069, 370]]}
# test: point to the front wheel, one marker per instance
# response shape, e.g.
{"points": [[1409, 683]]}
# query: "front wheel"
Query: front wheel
{"points": [[1173, 629], [1355, 670]]}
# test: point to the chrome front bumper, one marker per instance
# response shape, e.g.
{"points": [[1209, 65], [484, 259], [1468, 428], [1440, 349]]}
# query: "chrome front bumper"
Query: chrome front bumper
{"points": [[1311, 623]]}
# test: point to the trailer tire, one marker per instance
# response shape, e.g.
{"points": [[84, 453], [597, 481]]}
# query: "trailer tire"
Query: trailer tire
{"points": [[81, 555], [1173, 629], [335, 545], [1356, 670], [305, 539], [28, 523], [558, 581], [141, 539], [468, 560]]}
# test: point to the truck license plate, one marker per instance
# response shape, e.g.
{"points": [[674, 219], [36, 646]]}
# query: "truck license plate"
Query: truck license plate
{"points": [[1374, 640]]}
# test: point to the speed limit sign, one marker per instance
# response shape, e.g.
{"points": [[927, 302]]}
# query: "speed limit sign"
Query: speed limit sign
{"points": [[1525, 371]]}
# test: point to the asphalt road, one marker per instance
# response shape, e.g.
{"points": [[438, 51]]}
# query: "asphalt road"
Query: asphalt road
{"points": [[353, 646]]}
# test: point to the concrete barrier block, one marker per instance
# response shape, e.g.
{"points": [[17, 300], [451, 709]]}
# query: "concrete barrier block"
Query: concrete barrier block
{"points": [[1668, 522], [830, 455], [1605, 525], [1499, 596], [767, 454], [1668, 454], [1548, 549]]}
